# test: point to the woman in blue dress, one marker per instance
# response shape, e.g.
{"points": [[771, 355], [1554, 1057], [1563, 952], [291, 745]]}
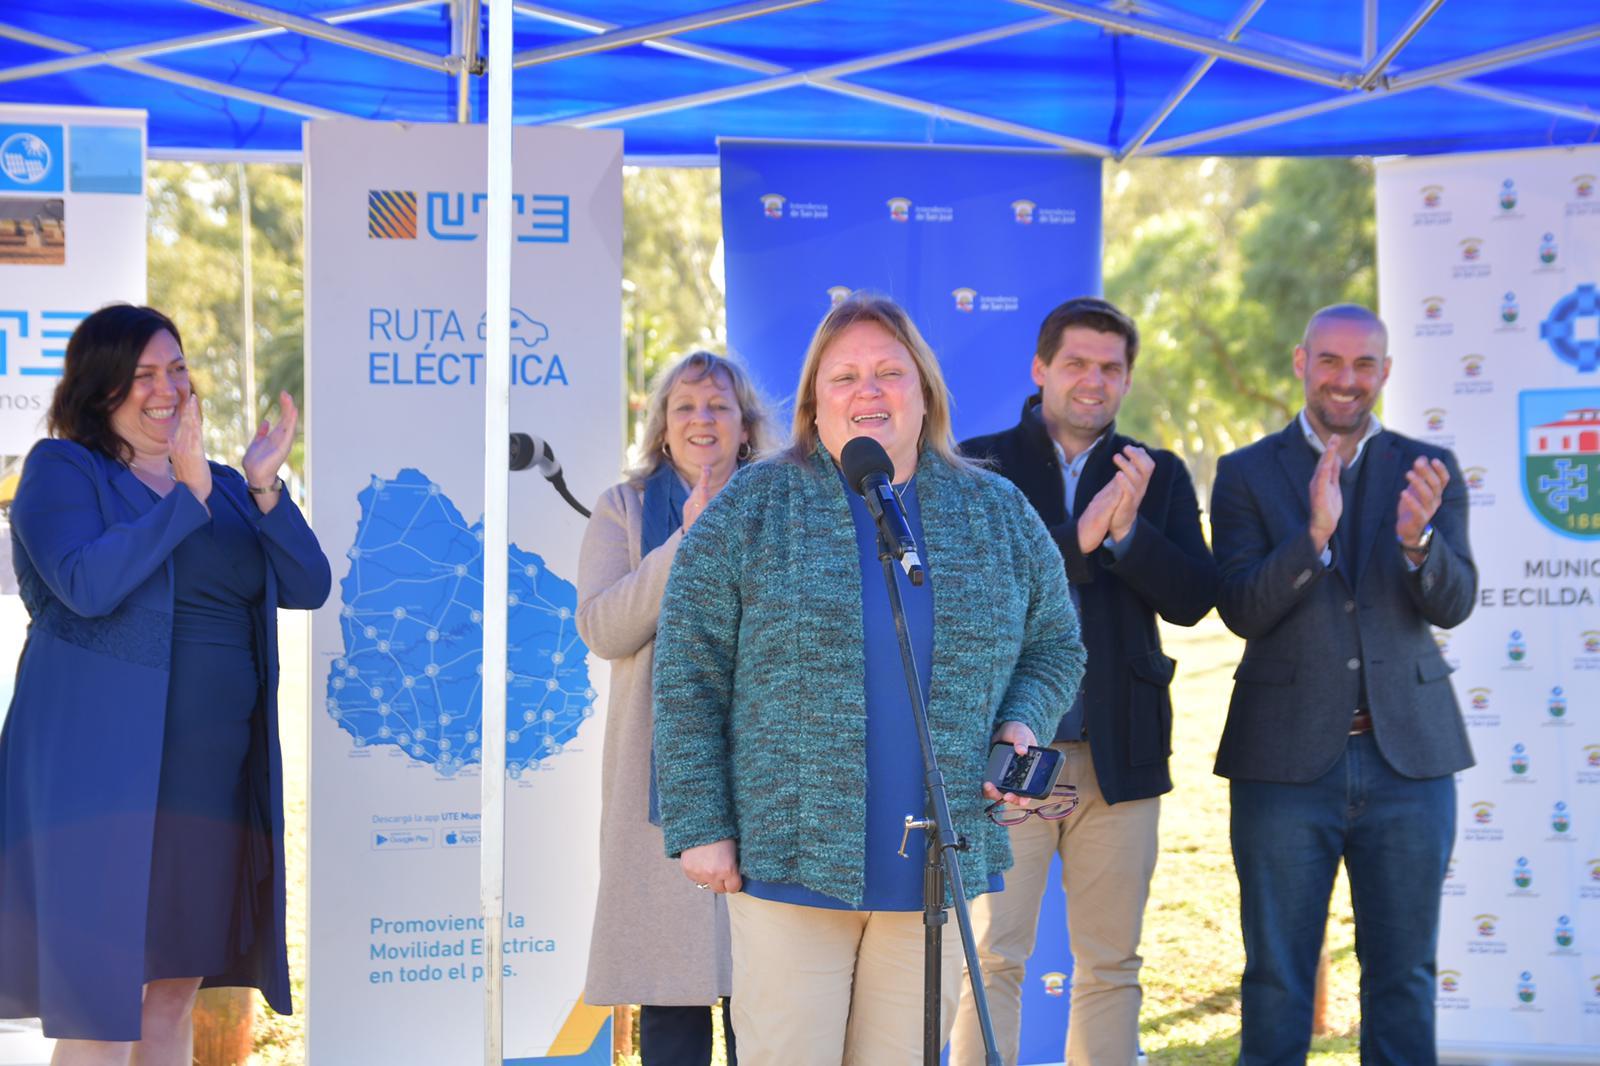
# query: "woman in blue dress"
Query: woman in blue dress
{"points": [[141, 793]]}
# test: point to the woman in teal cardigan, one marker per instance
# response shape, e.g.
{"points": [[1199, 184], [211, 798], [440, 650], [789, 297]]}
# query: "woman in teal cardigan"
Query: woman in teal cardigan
{"points": [[786, 754]]}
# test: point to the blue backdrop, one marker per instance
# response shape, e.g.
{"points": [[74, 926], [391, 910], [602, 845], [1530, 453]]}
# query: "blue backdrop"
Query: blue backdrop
{"points": [[977, 245]]}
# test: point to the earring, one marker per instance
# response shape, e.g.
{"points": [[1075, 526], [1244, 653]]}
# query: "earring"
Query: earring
{"points": [[666, 449], [745, 452]]}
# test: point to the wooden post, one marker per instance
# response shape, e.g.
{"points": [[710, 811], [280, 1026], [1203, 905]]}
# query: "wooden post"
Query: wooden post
{"points": [[224, 1024], [621, 1031]]}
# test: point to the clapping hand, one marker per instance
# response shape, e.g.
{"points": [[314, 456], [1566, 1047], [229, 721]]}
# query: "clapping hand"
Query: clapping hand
{"points": [[270, 447], [1419, 500], [698, 498], [188, 452], [1327, 498], [1134, 467]]}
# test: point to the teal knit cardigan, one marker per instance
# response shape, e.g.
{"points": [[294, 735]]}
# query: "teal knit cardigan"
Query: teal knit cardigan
{"points": [[760, 711]]}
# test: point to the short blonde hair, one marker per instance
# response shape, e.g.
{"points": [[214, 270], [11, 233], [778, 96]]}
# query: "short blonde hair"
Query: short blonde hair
{"points": [[937, 432], [697, 366]]}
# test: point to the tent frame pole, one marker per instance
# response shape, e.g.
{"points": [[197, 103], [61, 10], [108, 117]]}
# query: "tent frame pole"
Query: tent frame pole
{"points": [[88, 58], [322, 31], [192, 81], [631, 35], [1190, 80], [1495, 58], [496, 533], [804, 77], [1194, 42], [1374, 70], [464, 16]]}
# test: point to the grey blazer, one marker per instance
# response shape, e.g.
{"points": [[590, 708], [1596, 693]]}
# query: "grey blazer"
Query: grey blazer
{"points": [[1308, 632]]}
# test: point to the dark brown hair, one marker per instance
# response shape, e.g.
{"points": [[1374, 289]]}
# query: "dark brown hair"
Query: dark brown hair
{"points": [[102, 355], [1090, 312]]}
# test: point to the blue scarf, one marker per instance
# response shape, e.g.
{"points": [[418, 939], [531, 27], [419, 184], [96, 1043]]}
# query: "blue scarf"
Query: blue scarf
{"points": [[664, 497]]}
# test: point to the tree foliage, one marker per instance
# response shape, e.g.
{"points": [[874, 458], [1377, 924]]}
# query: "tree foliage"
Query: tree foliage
{"points": [[196, 276], [672, 268], [1221, 261]]}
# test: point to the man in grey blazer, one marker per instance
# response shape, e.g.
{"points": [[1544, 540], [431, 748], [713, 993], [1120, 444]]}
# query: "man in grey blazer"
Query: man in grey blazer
{"points": [[1341, 545]]}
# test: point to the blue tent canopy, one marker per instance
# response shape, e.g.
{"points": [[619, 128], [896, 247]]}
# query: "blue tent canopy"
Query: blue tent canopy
{"points": [[1118, 79]]}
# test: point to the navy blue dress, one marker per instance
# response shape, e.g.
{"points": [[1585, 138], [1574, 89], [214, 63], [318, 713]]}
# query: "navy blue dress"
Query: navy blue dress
{"points": [[197, 866]]}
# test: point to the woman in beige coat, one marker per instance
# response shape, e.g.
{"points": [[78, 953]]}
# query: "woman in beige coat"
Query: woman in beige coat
{"points": [[658, 940]]}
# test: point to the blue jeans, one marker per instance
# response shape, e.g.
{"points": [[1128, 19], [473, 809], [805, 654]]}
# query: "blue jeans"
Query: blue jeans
{"points": [[1394, 834]]}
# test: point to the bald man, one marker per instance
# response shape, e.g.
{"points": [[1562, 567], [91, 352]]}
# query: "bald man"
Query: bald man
{"points": [[1340, 546]]}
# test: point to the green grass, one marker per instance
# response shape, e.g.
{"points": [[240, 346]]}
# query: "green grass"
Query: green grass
{"points": [[1192, 952]]}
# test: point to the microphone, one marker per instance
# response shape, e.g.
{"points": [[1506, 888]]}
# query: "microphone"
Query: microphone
{"points": [[868, 470], [529, 452]]}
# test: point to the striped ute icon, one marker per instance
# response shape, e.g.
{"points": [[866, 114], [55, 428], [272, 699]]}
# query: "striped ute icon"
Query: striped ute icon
{"points": [[391, 214]]}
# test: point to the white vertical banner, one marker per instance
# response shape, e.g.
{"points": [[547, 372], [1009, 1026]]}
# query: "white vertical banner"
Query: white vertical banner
{"points": [[72, 238], [1488, 267], [395, 338]]}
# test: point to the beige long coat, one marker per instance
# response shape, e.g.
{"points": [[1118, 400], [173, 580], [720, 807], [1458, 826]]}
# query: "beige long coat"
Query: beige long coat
{"points": [[657, 940]]}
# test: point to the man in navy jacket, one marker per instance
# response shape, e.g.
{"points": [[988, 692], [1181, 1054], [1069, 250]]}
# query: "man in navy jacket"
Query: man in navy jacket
{"points": [[1341, 546], [1127, 523]]}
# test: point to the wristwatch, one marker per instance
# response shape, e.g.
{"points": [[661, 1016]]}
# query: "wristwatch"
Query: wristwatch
{"points": [[1423, 540]]}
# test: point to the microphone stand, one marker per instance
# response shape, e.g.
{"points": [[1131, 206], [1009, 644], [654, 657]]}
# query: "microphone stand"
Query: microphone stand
{"points": [[942, 861]]}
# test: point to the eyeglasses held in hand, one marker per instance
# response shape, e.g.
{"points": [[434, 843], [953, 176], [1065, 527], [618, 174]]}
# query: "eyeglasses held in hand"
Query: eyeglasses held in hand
{"points": [[1062, 802]]}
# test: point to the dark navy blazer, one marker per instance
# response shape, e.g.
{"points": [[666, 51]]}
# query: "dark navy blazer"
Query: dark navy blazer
{"points": [[80, 758], [1310, 633], [1166, 570]]}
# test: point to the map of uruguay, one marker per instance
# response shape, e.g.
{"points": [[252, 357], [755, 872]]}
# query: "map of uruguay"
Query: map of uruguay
{"points": [[410, 675]]}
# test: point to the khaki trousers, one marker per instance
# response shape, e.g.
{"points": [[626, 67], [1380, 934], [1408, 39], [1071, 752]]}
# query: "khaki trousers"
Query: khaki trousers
{"points": [[820, 987], [1108, 854]]}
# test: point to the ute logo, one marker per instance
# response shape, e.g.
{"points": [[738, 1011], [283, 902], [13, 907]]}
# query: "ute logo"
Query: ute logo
{"points": [[1560, 443], [1573, 328]]}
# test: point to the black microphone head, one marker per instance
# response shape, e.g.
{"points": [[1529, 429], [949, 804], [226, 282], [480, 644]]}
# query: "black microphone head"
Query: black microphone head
{"points": [[523, 451], [861, 457]]}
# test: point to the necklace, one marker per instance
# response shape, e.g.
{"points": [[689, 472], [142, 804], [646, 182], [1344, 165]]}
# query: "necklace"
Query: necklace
{"points": [[165, 474]]}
